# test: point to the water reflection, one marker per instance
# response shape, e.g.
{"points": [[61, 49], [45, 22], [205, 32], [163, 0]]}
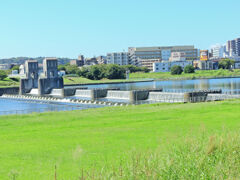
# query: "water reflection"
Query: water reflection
{"points": [[226, 84], [11, 106]]}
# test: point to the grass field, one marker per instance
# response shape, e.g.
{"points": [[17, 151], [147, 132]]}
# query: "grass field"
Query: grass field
{"points": [[81, 80], [158, 141], [8, 83], [198, 74]]}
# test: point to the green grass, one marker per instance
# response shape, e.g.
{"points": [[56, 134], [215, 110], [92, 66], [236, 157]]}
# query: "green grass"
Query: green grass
{"points": [[81, 80], [196, 75], [7, 82], [160, 141]]}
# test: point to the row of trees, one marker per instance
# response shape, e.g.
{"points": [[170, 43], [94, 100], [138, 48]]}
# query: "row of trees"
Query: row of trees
{"points": [[223, 64], [178, 69], [97, 72]]}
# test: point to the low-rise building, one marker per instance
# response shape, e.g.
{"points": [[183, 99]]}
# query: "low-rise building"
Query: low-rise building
{"points": [[203, 65], [102, 60], [5, 66], [77, 62], [166, 66], [91, 61], [237, 65]]}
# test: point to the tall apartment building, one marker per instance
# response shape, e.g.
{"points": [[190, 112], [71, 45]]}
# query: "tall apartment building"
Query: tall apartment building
{"points": [[120, 58], [218, 51], [146, 56], [233, 47]]}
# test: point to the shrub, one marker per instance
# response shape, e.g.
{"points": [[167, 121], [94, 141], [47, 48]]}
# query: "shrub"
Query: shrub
{"points": [[71, 69], [189, 69], [226, 64], [3, 75], [176, 70]]}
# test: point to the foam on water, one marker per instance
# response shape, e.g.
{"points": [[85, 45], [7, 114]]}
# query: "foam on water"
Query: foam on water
{"points": [[34, 91], [83, 93], [118, 95]]}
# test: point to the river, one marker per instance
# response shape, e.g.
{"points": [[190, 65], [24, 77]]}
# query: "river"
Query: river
{"points": [[228, 85]]}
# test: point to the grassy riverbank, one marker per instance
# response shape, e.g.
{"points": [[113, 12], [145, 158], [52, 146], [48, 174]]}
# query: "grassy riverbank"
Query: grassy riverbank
{"points": [[81, 80], [7, 82], [197, 75], [135, 77], [162, 141]]}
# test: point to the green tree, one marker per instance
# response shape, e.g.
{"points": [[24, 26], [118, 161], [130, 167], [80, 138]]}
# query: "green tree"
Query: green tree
{"points": [[61, 67], [114, 71], [176, 70], [3, 75], [72, 69], [189, 69], [15, 68], [226, 64]]}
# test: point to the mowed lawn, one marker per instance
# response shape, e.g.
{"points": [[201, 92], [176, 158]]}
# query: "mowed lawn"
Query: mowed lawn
{"points": [[197, 75], [32, 145]]}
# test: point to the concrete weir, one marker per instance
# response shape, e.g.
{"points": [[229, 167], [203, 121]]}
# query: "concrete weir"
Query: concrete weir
{"points": [[58, 99], [131, 96], [166, 97]]}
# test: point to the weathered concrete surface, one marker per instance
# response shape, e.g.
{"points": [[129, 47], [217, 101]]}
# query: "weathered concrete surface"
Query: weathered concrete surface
{"points": [[195, 97], [219, 97], [137, 95], [10, 90], [45, 85], [31, 77], [166, 96]]}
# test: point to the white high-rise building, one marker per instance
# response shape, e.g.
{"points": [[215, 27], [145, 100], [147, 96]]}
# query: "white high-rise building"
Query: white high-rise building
{"points": [[120, 58], [218, 51]]}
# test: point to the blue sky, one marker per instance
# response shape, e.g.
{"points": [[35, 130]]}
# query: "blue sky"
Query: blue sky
{"points": [[66, 28]]}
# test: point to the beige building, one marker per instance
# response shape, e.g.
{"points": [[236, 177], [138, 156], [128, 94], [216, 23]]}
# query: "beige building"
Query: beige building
{"points": [[203, 65], [177, 56], [140, 56]]}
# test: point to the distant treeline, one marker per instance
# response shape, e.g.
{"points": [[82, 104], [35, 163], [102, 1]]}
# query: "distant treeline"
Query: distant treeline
{"points": [[97, 72], [21, 60]]}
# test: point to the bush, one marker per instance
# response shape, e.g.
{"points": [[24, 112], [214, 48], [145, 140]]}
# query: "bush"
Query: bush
{"points": [[133, 68], [3, 75], [189, 69], [15, 68], [226, 64], [71, 69], [176, 70]]}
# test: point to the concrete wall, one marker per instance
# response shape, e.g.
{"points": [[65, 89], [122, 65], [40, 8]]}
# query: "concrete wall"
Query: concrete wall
{"points": [[27, 84], [12, 90], [45, 85], [138, 95], [92, 93], [166, 96], [195, 97]]}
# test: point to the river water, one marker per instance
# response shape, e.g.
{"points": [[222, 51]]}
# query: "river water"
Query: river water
{"points": [[228, 85], [11, 106]]}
